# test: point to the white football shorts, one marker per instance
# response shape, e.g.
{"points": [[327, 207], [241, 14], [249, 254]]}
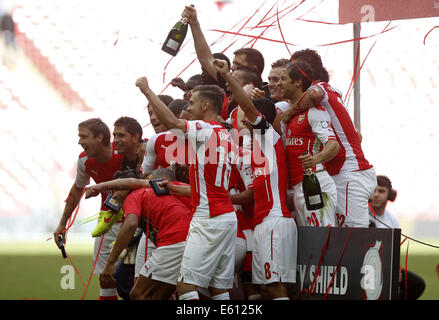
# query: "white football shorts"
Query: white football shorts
{"points": [[275, 251], [209, 256], [354, 190], [164, 263]]}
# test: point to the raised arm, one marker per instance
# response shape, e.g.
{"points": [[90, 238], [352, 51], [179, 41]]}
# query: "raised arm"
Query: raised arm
{"points": [[202, 49], [239, 95], [117, 184], [163, 113]]}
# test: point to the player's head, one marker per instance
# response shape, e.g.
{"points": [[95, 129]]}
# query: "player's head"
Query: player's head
{"points": [[127, 135], [156, 124], [383, 192], [246, 75], [93, 135], [206, 101], [295, 80], [163, 173], [249, 57], [313, 58], [177, 106], [274, 77]]}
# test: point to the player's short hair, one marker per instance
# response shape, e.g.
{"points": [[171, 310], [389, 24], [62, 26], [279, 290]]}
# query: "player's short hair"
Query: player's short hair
{"points": [[178, 105], [253, 57], [131, 125], [213, 93], [313, 58], [129, 173], [250, 75], [266, 107], [97, 127], [163, 173], [280, 63], [300, 70]]}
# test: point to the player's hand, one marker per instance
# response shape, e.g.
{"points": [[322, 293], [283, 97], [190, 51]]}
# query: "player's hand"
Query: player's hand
{"points": [[437, 269], [142, 84], [173, 190], [92, 191], [308, 161], [257, 93], [60, 230], [190, 14], [221, 66], [106, 278]]}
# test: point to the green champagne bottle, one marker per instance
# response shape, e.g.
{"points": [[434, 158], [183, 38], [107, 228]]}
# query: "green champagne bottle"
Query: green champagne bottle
{"points": [[311, 190], [175, 38]]}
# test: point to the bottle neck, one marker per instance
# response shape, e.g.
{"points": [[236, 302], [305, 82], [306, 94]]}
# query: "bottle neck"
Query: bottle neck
{"points": [[309, 171]]}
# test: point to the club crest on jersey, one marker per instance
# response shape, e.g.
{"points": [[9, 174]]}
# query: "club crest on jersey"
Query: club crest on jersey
{"points": [[301, 118]]}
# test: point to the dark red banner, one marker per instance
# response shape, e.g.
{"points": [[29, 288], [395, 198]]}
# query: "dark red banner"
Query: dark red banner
{"points": [[385, 10]]}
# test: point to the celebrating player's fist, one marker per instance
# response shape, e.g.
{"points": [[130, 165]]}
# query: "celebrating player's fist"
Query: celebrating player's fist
{"points": [[221, 66], [142, 84]]}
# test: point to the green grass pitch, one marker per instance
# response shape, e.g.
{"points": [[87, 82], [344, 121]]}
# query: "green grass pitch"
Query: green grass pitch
{"points": [[33, 270]]}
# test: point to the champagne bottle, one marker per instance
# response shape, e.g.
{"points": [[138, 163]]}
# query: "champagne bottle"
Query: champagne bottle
{"points": [[311, 190], [175, 37]]}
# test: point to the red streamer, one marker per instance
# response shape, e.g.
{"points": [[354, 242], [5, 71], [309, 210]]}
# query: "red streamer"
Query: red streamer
{"points": [[338, 264], [429, 33]]}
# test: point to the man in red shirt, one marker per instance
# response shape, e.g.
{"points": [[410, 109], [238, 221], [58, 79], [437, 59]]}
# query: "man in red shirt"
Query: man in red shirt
{"points": [[165, 220]]}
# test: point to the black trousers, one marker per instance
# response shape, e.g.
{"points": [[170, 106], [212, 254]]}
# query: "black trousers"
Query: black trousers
{"points": [[415, 286]]}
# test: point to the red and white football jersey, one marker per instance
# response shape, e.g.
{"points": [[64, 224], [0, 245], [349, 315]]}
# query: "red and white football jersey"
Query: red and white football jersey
{"points": [[98, 171], [270, 173], [350, 157], [165, 218], [307, 132], [211, 154], [162, 150]]}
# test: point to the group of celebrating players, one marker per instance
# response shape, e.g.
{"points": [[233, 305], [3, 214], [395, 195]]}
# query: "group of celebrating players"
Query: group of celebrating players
{"points": [[231, 157]]}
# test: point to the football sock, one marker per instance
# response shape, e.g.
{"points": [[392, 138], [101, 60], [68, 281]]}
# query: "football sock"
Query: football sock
{"points": [[108, 294], [222, 296], [191, 295]]}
